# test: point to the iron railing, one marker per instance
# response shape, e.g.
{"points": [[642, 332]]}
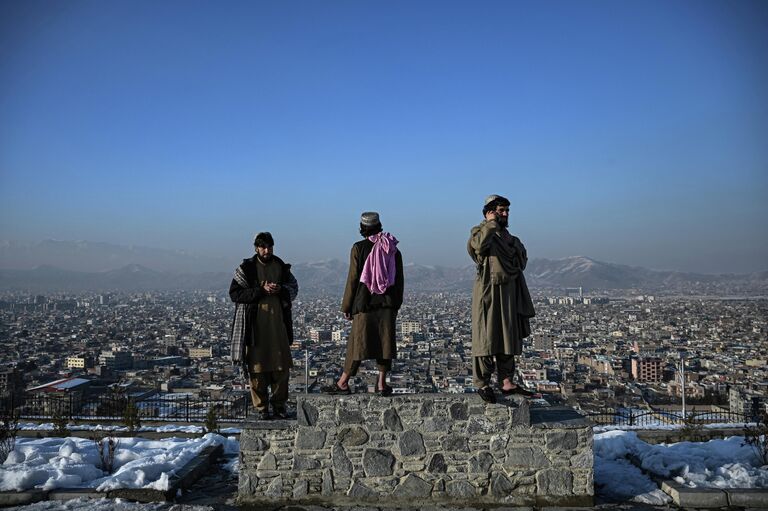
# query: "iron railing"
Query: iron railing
{"points": [[661, 417], [166, 407]]}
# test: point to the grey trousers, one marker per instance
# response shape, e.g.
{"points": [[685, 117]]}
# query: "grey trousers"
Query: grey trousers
{"points": [[483, 367]]}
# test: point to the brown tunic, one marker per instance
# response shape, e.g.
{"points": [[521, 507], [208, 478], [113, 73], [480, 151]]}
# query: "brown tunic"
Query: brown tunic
{"points": [[271, 351], [373, 316]]}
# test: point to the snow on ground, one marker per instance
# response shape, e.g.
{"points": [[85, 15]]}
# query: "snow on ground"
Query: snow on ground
{"points": [[671, 427], [72, 462], [717, 463], [166, 428], [84, 504]]}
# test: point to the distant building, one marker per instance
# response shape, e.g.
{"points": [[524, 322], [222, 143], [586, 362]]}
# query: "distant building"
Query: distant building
{"points": [[544, 341], [407, 327], [647, 369], [747, 402], [79, 362], [574, 292], [64, 396], [319, 334], [414, 337], [11, 382], [167, 361], [201, 352], [116, 360]]}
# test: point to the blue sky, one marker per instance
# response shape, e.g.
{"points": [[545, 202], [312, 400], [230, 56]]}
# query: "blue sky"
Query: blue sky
{"points": [[632, 132]]}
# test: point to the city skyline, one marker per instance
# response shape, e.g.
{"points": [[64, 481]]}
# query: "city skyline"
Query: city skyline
{"points": [[629, 133]]}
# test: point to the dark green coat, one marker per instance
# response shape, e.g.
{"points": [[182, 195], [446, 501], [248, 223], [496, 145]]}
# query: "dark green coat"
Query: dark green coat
{"points": [[501, 303]]}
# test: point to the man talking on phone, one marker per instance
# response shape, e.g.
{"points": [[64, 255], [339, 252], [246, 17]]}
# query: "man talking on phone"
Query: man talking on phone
{"points": [[501, 304]]}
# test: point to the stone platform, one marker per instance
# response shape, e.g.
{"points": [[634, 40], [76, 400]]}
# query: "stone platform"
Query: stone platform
{"points": [[417, 450]]}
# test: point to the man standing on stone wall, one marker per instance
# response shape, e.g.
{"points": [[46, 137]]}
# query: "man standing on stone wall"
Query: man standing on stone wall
{"points": [[501, 304], [262, 331]]}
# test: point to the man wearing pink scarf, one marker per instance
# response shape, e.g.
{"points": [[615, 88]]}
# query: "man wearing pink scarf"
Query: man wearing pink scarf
{"points": [[372, 297]]}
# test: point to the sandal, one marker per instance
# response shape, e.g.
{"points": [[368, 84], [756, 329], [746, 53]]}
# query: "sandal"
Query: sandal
{"points": [[385, 392], [517, 389], [335, 389]]}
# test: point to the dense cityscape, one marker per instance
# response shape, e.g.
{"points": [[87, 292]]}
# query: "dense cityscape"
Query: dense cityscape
{"points": [[591, 351]]}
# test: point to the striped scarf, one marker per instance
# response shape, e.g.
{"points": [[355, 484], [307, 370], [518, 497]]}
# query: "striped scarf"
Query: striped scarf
{"points": [[238, 323]]}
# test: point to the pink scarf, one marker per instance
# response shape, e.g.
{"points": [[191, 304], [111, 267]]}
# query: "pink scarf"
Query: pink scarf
{"points": [[379, 268]]}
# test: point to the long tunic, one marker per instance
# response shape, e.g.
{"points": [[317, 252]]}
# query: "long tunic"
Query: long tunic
{"points": [[271, 351], [373, 316], [501, 303]]}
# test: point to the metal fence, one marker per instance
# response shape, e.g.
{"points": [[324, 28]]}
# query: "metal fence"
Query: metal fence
{"points": [[660, 417], [166, 407]]}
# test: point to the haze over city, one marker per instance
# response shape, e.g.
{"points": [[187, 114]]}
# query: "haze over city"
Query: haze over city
{"points": [[628, 132]]}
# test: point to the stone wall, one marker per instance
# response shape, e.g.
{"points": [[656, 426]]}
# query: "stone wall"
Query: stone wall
{"points": [[416, 450]]}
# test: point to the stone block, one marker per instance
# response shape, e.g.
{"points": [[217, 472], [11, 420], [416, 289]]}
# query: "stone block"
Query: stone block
{"points": [[437, 464], [411, 443], [251, 441], [460, 489], [480, 463], [352, 436], [340, 461], [521, 416], [554, 482], [584, 459], [305, 463], [392, 420], [427, 409], [412, 486], [501, 486], [431, 425], [327, 486], [459, 411], [562, 440], [378, 462], [525, 457], [347, 416], [361, 491], [480, 425], [300, 489], [455, 442], [247, 483], [499, 444], [275, 488], [268, 462], [310, 439]]}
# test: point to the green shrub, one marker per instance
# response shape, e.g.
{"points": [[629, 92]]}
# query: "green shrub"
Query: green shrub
{"points": [[9, 428], [211, 420], [131, 419]]}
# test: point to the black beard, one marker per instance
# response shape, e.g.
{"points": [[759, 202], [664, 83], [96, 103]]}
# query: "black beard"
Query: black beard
{"points": [[504, 222], [265, 259]]}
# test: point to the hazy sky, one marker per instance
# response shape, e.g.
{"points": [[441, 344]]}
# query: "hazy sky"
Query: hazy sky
{"points": [[631, 132]]}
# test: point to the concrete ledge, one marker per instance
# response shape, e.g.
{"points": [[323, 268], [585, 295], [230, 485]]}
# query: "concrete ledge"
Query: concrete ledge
{"points": [[183, 479], [74, 493], [694, 497], [748, 497], [13, 498], [672, 436]]}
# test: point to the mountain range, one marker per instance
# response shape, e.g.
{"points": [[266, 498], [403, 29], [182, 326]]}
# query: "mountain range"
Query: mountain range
{"points": [[81, 266]]}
